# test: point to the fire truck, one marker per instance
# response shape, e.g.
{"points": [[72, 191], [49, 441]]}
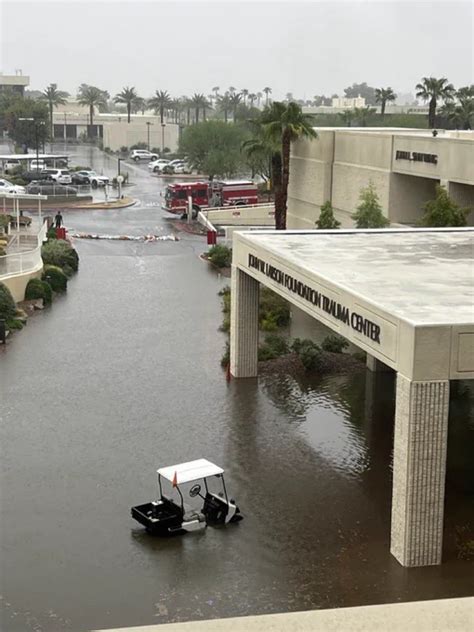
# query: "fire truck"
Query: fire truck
{"points": [[213, 193]]}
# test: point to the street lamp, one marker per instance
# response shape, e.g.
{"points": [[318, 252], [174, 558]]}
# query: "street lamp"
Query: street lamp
{"points": [[37, 124], [148, 123]]}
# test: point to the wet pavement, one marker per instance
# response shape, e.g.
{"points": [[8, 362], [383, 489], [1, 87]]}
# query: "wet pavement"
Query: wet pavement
{"points": [[122, 376]]}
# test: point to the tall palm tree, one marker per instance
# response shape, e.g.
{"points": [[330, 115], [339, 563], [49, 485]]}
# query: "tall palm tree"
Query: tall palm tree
{"points": [[259, 98], [267, 92], [232, 90], [432, 89], [264, 148], [139, 105], [160, 102], [175, 106], [54, 97], [199, 102], [286, 122], [235, 100], [252, 98], [215, 89], [128, 96], [91, 97], [244, 94], [382, 96], [224, 105]]}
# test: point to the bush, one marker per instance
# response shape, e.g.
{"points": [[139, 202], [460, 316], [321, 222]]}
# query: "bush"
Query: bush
{"points": [[7, 303], [369, 213], [442, 211], [226, 357], [60, 253], [51, 234], [273, 347], [13, 323], [140, 145], [124, 149], [334, 344], [220, 256], [326, 220], [309, 353], [55, 277], [38, 289], [4, 220], [273, 309]]}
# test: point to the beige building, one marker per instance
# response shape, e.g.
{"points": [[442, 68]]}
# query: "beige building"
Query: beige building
{"points": [[15, 83], [348, 102], [404, 165]]}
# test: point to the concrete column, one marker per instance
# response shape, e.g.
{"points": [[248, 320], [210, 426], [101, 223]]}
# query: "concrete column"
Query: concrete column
{"points": [[244, 325], [419, 468], [376, 365]]}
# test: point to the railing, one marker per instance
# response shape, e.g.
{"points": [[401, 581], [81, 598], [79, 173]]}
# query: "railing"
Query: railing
{"points": [[25, 260]]}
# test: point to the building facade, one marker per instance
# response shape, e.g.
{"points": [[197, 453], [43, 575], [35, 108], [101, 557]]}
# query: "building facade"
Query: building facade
{"points": [[404, 165], [14, 83]]}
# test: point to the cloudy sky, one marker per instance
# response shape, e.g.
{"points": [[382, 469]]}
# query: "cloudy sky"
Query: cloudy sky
{"points": [[306, 48]]}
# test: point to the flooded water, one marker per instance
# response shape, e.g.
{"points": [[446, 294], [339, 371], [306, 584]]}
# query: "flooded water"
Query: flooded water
{"points": [[122, 376]]}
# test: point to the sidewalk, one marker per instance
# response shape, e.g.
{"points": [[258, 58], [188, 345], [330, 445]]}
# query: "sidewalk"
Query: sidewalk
{"points": [[443, 615], [123, 203]]}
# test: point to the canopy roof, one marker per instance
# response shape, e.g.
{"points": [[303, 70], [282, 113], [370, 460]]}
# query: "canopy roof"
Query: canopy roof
{"points": [[190, 471], [32, 156]]}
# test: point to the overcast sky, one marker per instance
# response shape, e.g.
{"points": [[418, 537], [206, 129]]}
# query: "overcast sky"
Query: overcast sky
{"points": [[306, 48]]}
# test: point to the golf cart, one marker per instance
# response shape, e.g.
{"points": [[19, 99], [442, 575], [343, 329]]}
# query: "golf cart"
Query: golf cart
{"points": [[167, 516]]}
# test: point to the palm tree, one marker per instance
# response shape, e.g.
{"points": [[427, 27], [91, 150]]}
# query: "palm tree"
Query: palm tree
{"points": [[199, 102], [267, 92], [264, 149], [289, 97], [232, 90], [286, 122], [465, 94], [139, 105], [382, 96], [216, 89], [252, 98], [224, 104], [54, 97], [91, 97], [461, 115], [235, 100], [259, 98], [160, 102], [362, 115], [175, 106], [432, 89], [128, 96], [347, 117], [244, 94]]}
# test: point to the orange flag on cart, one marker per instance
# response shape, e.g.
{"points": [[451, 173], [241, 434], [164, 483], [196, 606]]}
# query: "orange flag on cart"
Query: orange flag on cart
{"points": [[175, 479]]}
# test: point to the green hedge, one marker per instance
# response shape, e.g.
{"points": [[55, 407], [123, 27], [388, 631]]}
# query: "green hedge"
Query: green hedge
{"points": [[56, 278], [38, 289], [220, 256], [58, 252], [7, 303]]}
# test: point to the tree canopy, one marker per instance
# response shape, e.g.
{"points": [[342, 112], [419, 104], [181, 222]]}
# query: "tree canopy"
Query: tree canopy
{"points": [[27, 132], [363, 90]]}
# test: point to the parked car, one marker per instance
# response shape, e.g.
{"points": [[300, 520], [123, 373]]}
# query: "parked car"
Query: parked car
{"points": [[177, 167], [29, 176], [37, 165], [157, 165], [7, 187], [89, 177], [142, 154], [49, 188], [11, 166], [63, 176]]}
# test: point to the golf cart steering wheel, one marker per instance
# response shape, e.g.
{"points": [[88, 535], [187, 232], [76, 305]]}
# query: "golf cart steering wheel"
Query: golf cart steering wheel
{"points": [[195, 490]]}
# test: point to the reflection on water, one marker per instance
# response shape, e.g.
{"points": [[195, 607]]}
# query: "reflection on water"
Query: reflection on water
{"points": [[122, 376]]}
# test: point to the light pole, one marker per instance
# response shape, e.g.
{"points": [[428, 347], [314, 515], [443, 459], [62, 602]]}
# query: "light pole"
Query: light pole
{"points": [[148, 123], [36, 124]]}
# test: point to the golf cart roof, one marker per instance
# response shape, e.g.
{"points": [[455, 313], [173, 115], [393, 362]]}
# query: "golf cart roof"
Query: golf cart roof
{"points": [[190, 471]]}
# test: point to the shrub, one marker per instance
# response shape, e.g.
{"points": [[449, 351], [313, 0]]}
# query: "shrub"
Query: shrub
{"points": [[124, 149], [442, 211], [55, 277], [13, 323], [226, 357], [369, 213], [334, 344], [273, 347], [4, 220], [326, 220], [220, 256], [309, 353], [38, 289], [7, 303], [269, 323], [273, 309], [140, 145], [51, 234], [60, 253]]}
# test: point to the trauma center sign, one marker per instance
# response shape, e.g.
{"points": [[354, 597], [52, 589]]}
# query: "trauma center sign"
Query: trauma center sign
{"points": [[328, 305]]}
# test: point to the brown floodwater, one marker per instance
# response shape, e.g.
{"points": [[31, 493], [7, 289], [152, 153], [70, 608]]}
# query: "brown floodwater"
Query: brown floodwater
{"points": [[122, 376]]}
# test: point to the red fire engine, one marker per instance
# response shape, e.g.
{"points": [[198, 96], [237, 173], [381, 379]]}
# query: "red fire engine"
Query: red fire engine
{"points": [[212, 193]]}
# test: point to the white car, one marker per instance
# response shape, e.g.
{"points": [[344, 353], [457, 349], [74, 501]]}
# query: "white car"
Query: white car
{"points": [[157, 165], [87, 176], [142, 154], [8, 187], [37, 165], [182, 167], [11, 166], [62, 176]]}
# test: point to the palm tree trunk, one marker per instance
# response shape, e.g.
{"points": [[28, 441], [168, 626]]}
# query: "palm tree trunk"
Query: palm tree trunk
{"points": [[280, 217], [189, 116], [382, 109], [226, 115], [129, 111], [197, 115], [51, 129], [432, 112], [91, 116]]}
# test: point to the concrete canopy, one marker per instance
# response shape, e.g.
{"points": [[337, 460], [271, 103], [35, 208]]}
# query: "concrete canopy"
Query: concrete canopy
{"points": [[405, 296]]}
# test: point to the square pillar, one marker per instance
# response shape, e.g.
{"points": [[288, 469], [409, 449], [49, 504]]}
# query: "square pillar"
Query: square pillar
{"points": [[376, 365], [419, 469], [243, 324]]}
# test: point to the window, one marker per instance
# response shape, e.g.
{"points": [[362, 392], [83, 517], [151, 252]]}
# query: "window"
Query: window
{"points": [[182, 195]]}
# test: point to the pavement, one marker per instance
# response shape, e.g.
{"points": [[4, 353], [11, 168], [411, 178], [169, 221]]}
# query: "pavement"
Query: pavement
{"points": [[122, 203], [443, 615]]}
